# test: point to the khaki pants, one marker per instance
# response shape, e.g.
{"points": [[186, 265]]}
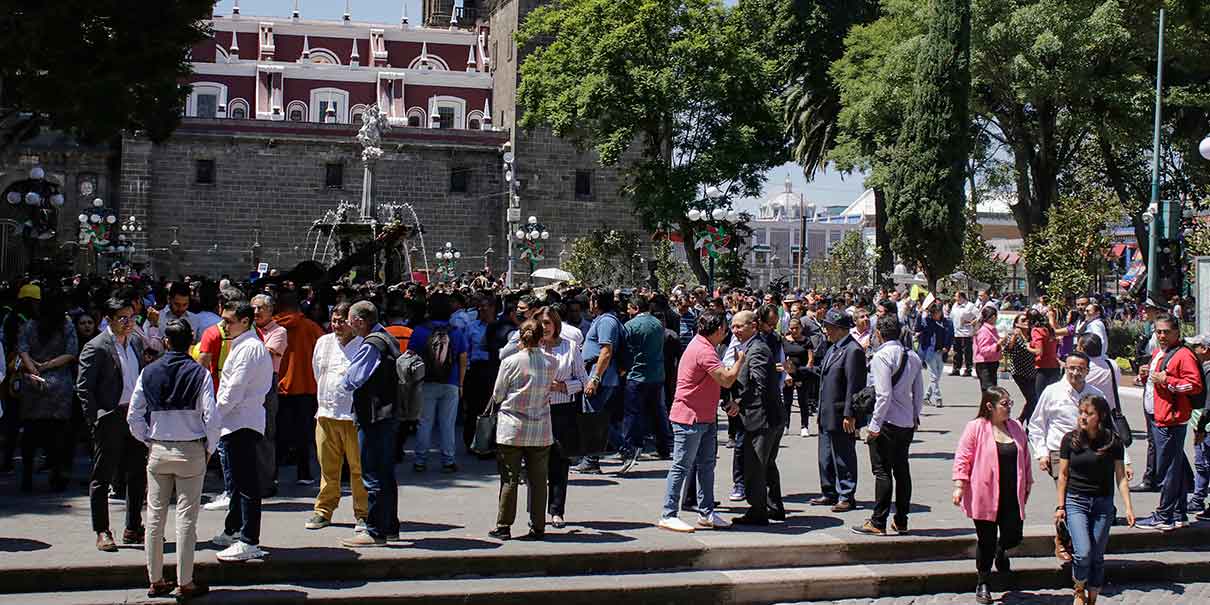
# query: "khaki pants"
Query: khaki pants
{"points": [[509, 458], [336, 443], [180, 465]]}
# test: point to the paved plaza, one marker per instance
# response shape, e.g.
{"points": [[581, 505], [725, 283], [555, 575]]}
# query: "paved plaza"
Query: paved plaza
{"points": [[1139, 594]]}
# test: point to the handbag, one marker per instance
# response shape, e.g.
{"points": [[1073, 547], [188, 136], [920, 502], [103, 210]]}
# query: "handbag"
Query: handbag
{"points": [[593, 429], [484, 442], [1121, 426], [863, 401]]}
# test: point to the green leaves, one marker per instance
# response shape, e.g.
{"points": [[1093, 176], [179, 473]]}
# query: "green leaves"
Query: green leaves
{"points": [[1070, 250]]}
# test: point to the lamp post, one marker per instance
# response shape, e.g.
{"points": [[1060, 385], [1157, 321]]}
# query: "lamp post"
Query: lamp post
{"points": [[447, 260], [712, 228], [531, 235], [1153, 209]]}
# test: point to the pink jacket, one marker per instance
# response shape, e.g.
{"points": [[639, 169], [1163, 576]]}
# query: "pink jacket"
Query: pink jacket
{"points": [[987, 343], [978, 463]]}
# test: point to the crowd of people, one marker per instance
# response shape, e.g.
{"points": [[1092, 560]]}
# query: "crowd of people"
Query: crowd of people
{"points": [[272, 374]]}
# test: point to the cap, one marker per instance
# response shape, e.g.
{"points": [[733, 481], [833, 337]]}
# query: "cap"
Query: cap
{"points": [[1200, 340], [838, 319], [30, 291]]}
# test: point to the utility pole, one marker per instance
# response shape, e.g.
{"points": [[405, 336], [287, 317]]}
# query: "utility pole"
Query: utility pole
{"points": [[802, 236], [513, 212], [1153, 238]]}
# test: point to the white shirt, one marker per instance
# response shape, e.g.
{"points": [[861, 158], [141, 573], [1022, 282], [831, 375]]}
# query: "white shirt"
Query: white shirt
{"points": [[569, 331], [1097, 326], [1057, 414], [246, 379], [570, 371], [202, 422], [128, 360], [330, 363], [961, 314], [897, 404]]}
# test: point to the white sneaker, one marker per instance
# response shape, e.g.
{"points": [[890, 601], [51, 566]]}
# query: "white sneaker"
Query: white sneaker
{"points": [[240, 551], [804, 433], [714, 521], [219, 502], [360, 528], [225, 539], [675, 524]]}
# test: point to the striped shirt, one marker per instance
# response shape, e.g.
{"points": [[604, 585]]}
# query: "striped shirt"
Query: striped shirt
{"points": [[570, 371], [523, 391]]}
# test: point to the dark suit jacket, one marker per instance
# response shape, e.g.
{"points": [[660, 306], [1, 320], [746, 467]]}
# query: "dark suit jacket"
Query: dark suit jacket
{"points": [[100, 382], [843, 374], [759, 389]]}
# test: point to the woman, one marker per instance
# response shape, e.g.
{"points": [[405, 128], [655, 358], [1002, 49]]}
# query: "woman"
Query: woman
{"points": [[1065, 333], [992, 480], [987, 348], [1090, 461], [523, 430], [48, 349], [1045, 347], [1021, 363], [565, 398], [799, 356]]}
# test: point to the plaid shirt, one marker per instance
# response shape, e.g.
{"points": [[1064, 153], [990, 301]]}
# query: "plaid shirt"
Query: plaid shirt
{"points": [[523, 390]]}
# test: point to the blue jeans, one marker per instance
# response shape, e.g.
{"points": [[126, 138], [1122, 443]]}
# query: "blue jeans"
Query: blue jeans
{"points": [[225, 464], [645, 406], [440, 408], [1201, 477], [1173, 471], [694, 448], [1089, 519], [377, 442], [933, 361]]}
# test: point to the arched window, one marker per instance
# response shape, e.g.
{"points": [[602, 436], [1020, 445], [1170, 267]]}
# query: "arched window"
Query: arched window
{"points": [[417, 118], [450, 110], [323, 56], [296, 111], [356, 113], [237, 109], [474, 120], [430, 62], [333, 99], [205, 99]]}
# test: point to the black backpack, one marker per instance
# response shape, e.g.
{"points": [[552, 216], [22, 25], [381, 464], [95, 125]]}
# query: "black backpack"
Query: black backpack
{"points": [[863, 401], [438, 355]]}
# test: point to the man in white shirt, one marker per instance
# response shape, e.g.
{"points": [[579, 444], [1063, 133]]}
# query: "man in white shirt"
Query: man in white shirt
{"points": [[177, 308], [246, 380], [1094, 323], [335, 430], [963, 315]]}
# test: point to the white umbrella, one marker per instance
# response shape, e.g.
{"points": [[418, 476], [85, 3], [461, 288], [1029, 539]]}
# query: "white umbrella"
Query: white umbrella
{"points": [[553, 273]]}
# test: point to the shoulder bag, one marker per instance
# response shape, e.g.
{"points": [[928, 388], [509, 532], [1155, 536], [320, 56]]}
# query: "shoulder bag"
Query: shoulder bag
{"points": [[484, 442], [1121, 426], [863, 401]]}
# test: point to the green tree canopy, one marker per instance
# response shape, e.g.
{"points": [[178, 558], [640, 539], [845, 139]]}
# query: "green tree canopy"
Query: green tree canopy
{"points": [[1070, 250]]}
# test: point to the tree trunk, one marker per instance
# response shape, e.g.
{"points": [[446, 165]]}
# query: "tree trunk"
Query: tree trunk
{"points": [[884, 264], [693, 256]]}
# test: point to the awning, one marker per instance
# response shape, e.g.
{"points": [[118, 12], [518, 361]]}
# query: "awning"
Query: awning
{"points": [[762, 248], [1117, 250]]}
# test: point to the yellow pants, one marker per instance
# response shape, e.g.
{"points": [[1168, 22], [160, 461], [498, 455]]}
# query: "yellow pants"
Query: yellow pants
{"points": [[335, 444]]}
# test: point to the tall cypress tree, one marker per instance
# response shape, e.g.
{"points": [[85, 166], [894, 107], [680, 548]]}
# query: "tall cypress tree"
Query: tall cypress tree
{"points": [[926, 202]]}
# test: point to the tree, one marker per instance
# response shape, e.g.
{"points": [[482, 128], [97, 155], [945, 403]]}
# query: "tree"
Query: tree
{"points": [[847, 264], [979, 257], [606, 257], [669, 270], [926, 206], [1070, 250], [671, 90], [94, 68]]}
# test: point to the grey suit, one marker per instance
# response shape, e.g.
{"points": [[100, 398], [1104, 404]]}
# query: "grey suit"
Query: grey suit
{"points": [[761, 411], [843, 374], [100, 387]]}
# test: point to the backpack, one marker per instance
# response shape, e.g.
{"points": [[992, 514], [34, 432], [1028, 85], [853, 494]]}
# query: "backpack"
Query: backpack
{"points": [[863, 401], [438, 355], [409, 369], [1196, 401]]}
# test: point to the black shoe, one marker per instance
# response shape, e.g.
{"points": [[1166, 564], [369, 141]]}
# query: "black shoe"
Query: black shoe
{"points": [[777, 516], [501, 533], [533, 536], [823, 501], [983, 594], [1144, 487], [953, 373], [449, 468], [746, 520], [585, 468], [419, 467], [1003, 564]]}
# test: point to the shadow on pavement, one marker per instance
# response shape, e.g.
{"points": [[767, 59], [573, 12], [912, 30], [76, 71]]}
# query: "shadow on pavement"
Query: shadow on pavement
{"points": [[588, 538], [933, 455], [447, 544], [288, 506], [421, 526], [21, 545], [797, 524], [611, 525], [949, 532], [591, 482], [253, 595]]}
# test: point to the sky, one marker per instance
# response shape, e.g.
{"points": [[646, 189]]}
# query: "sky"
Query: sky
{"points": [[828, 188]]}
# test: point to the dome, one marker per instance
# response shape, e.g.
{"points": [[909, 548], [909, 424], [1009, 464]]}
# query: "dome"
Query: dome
{"points": [[784, 204]]}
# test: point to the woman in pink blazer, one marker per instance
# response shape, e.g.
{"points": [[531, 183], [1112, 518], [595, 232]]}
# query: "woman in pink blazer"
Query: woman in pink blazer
{"points": [[987, 348], [992, 479]]}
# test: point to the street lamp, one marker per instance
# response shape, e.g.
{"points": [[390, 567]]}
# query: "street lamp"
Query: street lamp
{"points": [[1204, 147], [531, 235], [712, 228], [447, 260]]}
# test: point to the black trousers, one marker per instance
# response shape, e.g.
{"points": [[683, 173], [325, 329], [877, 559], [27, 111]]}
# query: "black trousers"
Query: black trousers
{"points": [[889, 461], [1044, 378], [986, 371], [480, 378], [563, 425], [1008, 526], [803, 390], [50, 435], [762, 481], [964, 353], [244, 510], [117, 454], [1029, 390], [296, 432]]}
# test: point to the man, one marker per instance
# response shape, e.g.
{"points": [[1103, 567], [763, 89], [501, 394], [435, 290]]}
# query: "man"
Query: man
{"points": [[445, 363], [212, 353], [644, 395], [962, 317], [109, 368], [843, 374], [604, 334], [694, 419], [1056, 414], [174, 413], [935, 334], [296, 387], [372, 381], [1201, 448], [179, 296], [336, 433], [247, 380], [276, 341], [898, 400], [1175, 375], [1093, 323], [1146, 347], [481, 372], [688, 324], [861, 330], [760, 408]]}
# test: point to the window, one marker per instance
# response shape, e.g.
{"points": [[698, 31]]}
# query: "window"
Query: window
{"points": [[445, 117], [207, 105], [296, 115], [323, 99], [583, 184], [473, 125], [239, 113], [762, 258], [459, 178], [328, 110], [204, 99], [357, 117], [238, 109], [204, 172], [447, 112], [334, 175], [414, 121]]}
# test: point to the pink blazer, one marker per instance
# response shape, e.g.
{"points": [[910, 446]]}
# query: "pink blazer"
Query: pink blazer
{"points": [[978, 463], [987, 344]]}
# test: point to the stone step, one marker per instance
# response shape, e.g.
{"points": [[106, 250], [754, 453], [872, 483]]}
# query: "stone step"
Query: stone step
{"points": [[733, 550], [741, 586]]}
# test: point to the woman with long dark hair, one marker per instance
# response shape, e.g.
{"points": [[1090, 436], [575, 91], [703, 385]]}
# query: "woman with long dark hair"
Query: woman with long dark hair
{"points": [[987, 348], [1021, 364], [992, 480], [1045, 347], [1090, 462], [48, 348]]}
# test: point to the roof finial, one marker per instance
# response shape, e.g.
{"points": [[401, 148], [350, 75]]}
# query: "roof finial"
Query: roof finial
{"points": [[487, 115], [471, 65], [354, 58], [348, 15], [296, 14], [306, 51], [234, 54], [403, 21], [235, 10], [789, 186]]}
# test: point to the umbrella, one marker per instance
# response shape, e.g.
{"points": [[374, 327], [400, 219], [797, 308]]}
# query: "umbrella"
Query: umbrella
{"points": [[553, 273]]}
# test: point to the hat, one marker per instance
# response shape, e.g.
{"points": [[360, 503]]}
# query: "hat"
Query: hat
{"points": [[30, 291], [1151, 302], [838, 319], [1200, 340], [790, 298]]}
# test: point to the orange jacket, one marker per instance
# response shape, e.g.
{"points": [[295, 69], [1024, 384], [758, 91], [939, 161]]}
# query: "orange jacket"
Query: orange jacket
{"points": [[296, 376], [1184, 378]]}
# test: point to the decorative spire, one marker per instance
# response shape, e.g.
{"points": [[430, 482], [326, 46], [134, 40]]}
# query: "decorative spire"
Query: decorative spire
{"points": [[296, 14], [424, 55], [789, 187], [234, 54], [403, 21], [471, 65], [354, 58], [487, 115], [348, 15], [235, 10], [306, 52]]}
